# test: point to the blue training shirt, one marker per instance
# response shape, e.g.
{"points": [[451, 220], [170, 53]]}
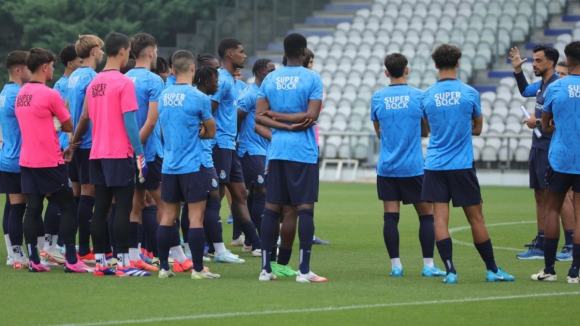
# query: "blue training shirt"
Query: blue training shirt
{"points": [[249, 141], [563, 101], [61, 86], [182, 108], [170, 80], [12, 138], [148, 88], [450, 105], [288, 90], [76, 92], [397, 109], [226, 115]]}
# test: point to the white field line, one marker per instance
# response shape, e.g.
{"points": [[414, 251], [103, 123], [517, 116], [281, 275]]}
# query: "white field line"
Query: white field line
{"points": [[467, 227]]}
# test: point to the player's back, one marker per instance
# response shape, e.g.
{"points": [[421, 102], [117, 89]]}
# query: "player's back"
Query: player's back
{"points": [[450, 105], [78, 82], [12, 139], [398, 111], [288, 90], [110, 95], [182, 109]]}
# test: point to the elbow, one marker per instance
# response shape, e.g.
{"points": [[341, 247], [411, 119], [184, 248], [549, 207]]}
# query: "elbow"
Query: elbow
{"points": [[67, 127], [476, 132]]}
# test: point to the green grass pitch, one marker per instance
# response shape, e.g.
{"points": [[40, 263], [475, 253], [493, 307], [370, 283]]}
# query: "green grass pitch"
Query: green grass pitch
{"points": [[359, 290]]}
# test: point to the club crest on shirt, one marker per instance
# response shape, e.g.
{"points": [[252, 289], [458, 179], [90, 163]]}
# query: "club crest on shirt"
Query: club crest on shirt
{"points": [[214, 183], [2, 101], [69, 183], [222, 174], [72, 81], [260, 179]]}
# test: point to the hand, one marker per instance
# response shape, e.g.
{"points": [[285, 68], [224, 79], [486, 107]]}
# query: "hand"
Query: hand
{"points": [[531, 122], [142, 167], [201, 131], [68, 154], [271, 114], [307, 123], [516, 59]]}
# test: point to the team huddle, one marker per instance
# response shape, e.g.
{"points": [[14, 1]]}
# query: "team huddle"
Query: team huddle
{"points": [[127, 156]]}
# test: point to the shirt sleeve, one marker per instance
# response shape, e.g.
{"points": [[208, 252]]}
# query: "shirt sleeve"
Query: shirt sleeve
{"points": [[374, 109], [222, 90], [262, 90], [58, 108], [549, 98], [522, 82], [206, 109], [532, 89], [243, 103], [316, 93], [155, 90], [476, 104], [128, 98], [422, 105]]}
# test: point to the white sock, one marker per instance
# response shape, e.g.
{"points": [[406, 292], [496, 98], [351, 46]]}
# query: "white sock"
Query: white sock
{"points": [[396, 262], [100, 259], [16, 253], [428, 262], [52, 243], [47, 241], [186, 249], [178, 253], [8, 246], [40, 243], [134, 254], [139, 246], [219, 247], [123, 260]]}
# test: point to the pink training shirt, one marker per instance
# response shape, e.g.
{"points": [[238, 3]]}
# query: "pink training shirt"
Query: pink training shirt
{"points": [[36, 105], [110, 95]]}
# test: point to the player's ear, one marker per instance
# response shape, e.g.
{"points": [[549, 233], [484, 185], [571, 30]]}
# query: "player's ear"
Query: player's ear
{"points": [[387, 73], [457, 64], [406, 71], [192, 67]]}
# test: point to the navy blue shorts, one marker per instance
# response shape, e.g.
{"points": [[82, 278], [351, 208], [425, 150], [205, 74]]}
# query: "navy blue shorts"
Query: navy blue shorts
{"points": [[460, 186], [212, 179], [292, 183], [10, 183], [227, 165], [82, 165], [407, 190], [153, 179], [73, 172], [189, 187], [537, 165], [44, 180], [253, 167], [560, 183], [112, 172]]}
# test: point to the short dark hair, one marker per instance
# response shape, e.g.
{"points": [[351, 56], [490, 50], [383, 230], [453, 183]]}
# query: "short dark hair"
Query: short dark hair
{"points": [[396, 64], [204, 59], [309, 55], [115, 42], [203, 74], [572, 52], [37, 57], [294, 45], [16, 58], [446, 56], [182, 59], [68, 54], [130, 65], [550, 52], [140, 42], [161, 66], [227, 44], [260, 65], [169, 61]]}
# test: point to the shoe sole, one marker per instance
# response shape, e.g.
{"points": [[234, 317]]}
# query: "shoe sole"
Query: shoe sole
{"points": [[531, 258], [229, 261], [566, 259]]}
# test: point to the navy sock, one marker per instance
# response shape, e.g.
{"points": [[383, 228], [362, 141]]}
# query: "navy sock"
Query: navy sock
{"points": [[259, 201], [391, 233], [485, 250], [569, 237], [134, 235], [150, 225], [249, 230], [33, 252], [236, 230], [573, 272], [16, 217], [540, 240], [175, 241], [445, 248], [112, 230], [212, 222], [51, 218], [39, 227], [71, 258], [109, 247], [284, 256], [427, 235], [305, 234], [185, 223], [59, 242], [163, 244], [6, 215], [269, 225], [550, 250], [274, 253], [84, 216], [196, 241]]}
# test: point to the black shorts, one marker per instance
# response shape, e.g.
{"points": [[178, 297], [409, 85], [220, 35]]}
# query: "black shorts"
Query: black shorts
{"points": [[153, 179], [253, 167], [81, 159], [537, 165], [189, 187], [407, 190], [227, 165], [44, 180], [560, 183], [460, 186], [212, 179], [10, 183], [73, 172], [112, 172], [292, 183]]}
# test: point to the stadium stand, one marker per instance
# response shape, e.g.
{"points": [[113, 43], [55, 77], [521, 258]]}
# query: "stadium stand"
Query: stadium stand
{"points": [[350, 61]]}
